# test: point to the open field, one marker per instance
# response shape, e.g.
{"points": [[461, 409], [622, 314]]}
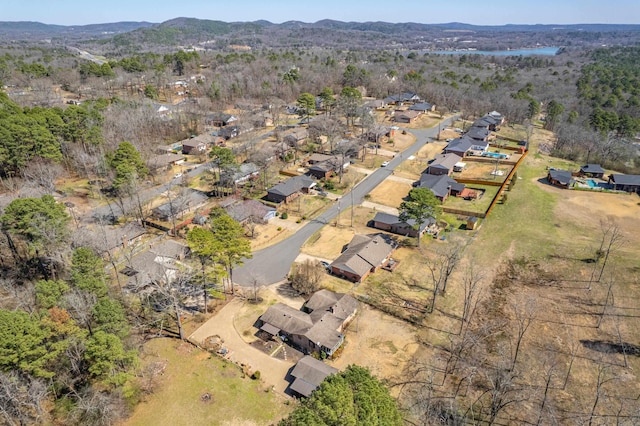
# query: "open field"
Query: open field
{"points": [[197, 388]]}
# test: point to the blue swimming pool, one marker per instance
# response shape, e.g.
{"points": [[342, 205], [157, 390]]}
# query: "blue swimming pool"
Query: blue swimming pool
{"points": [[495, 155], [592, 183]]}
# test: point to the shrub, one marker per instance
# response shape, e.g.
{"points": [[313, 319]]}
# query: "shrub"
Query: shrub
{"points": [[284, 215], [256, 375], [279, 228]]}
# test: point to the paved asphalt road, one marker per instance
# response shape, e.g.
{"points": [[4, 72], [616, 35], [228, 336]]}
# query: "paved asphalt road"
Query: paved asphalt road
{"points": [[273, 263]]}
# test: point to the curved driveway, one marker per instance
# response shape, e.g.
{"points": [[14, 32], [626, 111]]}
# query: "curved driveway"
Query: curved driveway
{"points": [[272, 264]]}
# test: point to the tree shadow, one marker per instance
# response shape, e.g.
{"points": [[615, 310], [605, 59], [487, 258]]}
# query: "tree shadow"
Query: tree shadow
{"points": [[608, 347], [285, 289]]}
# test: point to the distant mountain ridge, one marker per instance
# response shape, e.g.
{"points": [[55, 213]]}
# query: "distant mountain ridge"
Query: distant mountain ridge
{"points": [[191, 31]]}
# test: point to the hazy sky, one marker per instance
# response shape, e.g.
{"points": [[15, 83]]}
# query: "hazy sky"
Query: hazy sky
{"points": [[488, 12]]}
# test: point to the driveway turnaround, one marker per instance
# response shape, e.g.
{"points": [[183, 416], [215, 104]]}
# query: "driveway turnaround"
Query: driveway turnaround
{"points": [[272, 370]]}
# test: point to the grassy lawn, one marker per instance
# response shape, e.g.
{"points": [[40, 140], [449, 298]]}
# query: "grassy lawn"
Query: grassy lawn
{"points": [[478, 206], [191, 373]]}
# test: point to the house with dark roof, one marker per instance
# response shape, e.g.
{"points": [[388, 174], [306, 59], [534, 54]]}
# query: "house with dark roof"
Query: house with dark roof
{"points": [[228, 132], [402, 98], [219, 119], [290, 189], [159, 264], [561, 178], [442, 164], [423, 107], [466, 146], [628, 183], [308, 374], [122, 236], [327, 168], [478, 133], [317, 328], [592, 170], [441, 185], [363, 256], [392, 223]]}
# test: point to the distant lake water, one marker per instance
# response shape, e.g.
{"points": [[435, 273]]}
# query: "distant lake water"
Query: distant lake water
{"points": [[548, 51]]}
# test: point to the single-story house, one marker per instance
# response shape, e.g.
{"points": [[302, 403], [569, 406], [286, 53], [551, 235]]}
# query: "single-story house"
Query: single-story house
{"points": [[308, 374], [165, 161], [235, 176], [364, 255], [170, 250], [489, 121], [295, 136], [592, 170], [122, 236], [219, 119], [402, 98], [466, 146], [628, 183], [422, 107], [441, 185], [197, 144], [290, 189], [392, 223], [375, 104], [442, 164], [497, 117], [327, 168], [228, 132], [405, 116], [250, 210], [317, 328], [478, 133], [147, 268], [561, 178], [180, 204]]}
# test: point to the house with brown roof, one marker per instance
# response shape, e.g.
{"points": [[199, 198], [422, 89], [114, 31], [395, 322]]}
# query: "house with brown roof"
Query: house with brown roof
{"points": [[405, 116], [318, 327], [326, 169], [295, 136], [363, 256], [249, 211], [197, 144], [442, 164]]}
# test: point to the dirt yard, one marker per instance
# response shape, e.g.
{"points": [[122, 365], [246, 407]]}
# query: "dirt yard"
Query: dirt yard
{"points": [[387, 342], [430, 150], [390, 193], [483, 171]]}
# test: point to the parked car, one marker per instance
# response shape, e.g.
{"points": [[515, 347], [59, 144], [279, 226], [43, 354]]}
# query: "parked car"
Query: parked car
{"points": [[177, 175], [384, 164], [325, 264]]}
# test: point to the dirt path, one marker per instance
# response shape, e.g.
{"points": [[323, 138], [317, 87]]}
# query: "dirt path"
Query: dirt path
{"points": [[380, 207], [273, 371]]}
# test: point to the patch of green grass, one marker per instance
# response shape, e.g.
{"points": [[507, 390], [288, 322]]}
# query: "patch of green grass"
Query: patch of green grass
{"points": [[191, 373], [477, 206]]}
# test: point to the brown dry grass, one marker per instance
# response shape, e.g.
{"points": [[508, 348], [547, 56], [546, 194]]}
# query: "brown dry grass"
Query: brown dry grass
{"points": [[477, 170], [390, 193]]}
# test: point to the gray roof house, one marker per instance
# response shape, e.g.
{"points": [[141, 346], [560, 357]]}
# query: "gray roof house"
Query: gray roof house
{"points": [[308, 374], [290, 189], [442, 164], [180, 204], [466, 146], [441, 185], [316, 328], [561, 178], [237, 175], [628, 183], [392, 223], [592, 170], [165, 161], [250, 211], [478, 133], [422, 107], [364, 255]]}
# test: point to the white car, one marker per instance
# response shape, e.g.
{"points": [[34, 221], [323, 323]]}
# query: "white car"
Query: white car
{"points": [[384, 164], [177, 175]]}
